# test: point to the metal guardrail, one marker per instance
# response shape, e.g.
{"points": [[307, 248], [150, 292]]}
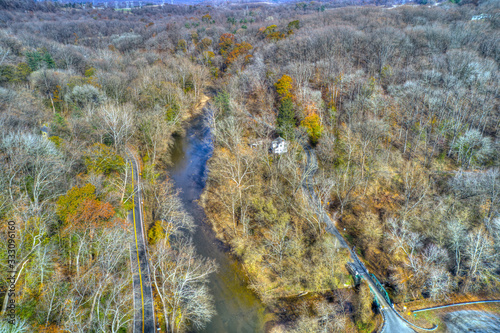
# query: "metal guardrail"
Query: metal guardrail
{"points": [[456, 304], [381, 289]]}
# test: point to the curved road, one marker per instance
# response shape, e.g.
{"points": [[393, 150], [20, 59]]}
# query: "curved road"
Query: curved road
{"points": [[393, 323], [144, 320]]}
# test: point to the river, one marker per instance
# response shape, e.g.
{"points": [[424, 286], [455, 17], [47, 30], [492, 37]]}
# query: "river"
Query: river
{"points": [[239, 310]]}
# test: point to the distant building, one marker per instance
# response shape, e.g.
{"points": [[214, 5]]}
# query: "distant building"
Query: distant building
{"points": [[279, 146], [256, 143], [480, 17], [45, 131]]}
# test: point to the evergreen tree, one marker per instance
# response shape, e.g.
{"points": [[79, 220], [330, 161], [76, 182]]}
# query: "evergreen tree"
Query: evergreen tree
{"points": [[34, 59], [222, 100], [286, 120], [47, 58]]}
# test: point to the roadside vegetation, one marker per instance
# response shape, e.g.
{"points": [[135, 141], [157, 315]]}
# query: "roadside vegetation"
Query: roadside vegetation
{"points": [[71, 104], [402, 113], [400, 107]]}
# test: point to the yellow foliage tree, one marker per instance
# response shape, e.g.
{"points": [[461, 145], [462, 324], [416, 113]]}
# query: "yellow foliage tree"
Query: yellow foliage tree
{"points": [[284, 87], [313, 126], [102, 159], [68, 204]]}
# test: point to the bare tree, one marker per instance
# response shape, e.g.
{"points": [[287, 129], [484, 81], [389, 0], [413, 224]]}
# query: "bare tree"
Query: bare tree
{"points": [[155, 132], [346, 180], [456, 233], [415, 187], [180, 278], [33, 157], [405, 240], [330, 317], [277, 241], [472, 148], [369, 133], [482, 186], [118, 123], [4, 54], [480, 260], [439, 283], [237, 169], [100, 297], [170, 210]]}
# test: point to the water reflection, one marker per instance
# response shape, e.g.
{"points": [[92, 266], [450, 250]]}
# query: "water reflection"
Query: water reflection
{"points": [[238, 309]]}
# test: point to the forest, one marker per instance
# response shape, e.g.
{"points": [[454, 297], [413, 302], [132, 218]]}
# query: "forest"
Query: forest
{"points": [[398, 106]]}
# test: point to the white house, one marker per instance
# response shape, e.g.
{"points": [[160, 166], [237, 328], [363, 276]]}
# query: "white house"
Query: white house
{"points": [[480, 17], [279, 146]]}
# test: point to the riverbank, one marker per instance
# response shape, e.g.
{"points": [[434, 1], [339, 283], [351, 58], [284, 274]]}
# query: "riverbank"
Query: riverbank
{"points": [[238, 308], [255, 204]]}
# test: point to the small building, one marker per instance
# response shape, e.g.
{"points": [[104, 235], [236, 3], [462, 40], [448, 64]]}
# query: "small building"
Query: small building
{"points": [[354, 272], [256, 144], [480, 17], [279, 146], [45, 131]]}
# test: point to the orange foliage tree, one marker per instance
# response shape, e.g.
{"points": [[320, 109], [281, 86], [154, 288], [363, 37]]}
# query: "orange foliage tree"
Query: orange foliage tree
{"points": [[80, 209], [239, 49], [91, 213], [68, 204], [226, 43]]}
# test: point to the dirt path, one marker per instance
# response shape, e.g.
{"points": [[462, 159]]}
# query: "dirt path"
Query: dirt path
{"points": [[197, 110], [201, 104]]}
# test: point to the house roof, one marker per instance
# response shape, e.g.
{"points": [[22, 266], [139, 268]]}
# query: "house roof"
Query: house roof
{"points": [[279, 139]]}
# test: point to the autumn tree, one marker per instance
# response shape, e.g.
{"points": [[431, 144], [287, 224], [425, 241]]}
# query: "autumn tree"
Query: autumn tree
{"points": [[312, 124], [226, 43], [91, 213], [284, 87], [363, 303], [80, 209], [239, 49], [69, 203], [102, 159]]}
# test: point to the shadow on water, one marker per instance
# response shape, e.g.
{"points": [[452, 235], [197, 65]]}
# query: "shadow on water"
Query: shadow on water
{"points": [[238, 309]]}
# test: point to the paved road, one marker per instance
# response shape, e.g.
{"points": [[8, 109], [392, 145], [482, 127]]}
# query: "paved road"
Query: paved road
{"points": [[144, 321], [393, 323]]}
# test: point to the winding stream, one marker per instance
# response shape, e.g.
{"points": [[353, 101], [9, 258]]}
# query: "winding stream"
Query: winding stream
{"points": [[238, 308]]}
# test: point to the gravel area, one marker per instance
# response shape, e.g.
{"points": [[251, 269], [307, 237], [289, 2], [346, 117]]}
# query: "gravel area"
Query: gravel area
{"points": [[472, 321]]}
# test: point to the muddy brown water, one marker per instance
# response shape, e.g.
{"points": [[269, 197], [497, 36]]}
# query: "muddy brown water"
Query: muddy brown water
{"points": [[239, 310]]}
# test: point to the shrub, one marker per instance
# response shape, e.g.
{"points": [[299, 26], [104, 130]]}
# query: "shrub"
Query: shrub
{"points": [[127, 42], [85, 95]]}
